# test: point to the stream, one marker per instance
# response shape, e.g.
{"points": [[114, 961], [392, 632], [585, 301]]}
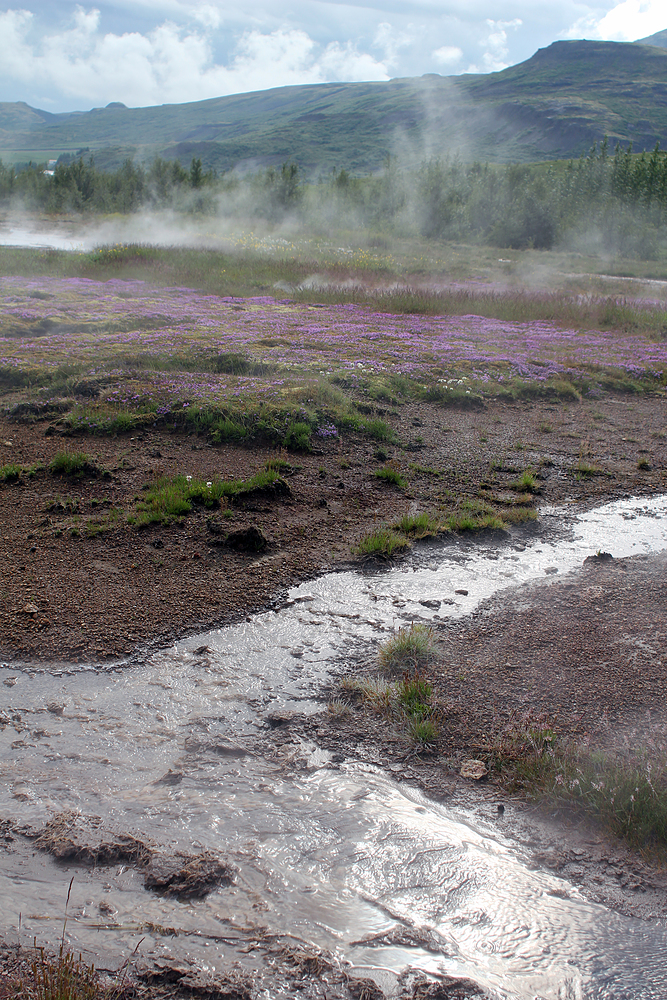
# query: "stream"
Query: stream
{"points": [[333, 853]]}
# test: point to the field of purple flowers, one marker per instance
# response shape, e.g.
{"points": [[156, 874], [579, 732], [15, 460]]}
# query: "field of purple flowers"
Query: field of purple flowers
{"points": [[122, 351]]}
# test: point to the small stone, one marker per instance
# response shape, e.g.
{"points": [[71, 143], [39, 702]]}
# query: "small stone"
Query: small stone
{"points": [[31, 609], [170, 778], [9, 682], [474, 769], [431, 604], [462, 592], [55, 708], [279, 718]]}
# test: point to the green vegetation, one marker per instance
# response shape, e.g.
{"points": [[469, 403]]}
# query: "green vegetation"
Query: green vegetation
{"points": [[381, 544], [420, 526], [169, 499], [75, 464], [584, 470], [526, 483], [627, 794], [620, 196], [410, 647], [392, 476], [10, 473]]}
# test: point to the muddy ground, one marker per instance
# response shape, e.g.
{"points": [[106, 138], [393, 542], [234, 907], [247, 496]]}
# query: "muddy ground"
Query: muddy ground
{"points": [[588, 651], [74, 589]]}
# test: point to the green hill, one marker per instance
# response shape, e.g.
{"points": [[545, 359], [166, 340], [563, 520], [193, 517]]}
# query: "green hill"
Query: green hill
{"points": [[553, 105]]}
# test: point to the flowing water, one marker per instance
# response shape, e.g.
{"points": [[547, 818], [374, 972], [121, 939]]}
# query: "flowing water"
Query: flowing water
{"points": [[334, 853]]}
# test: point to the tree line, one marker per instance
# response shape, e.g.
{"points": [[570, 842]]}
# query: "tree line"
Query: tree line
{"points": [[601, 202]]}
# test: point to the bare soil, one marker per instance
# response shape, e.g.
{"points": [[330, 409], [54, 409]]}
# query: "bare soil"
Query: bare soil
{"points": [[73, 592]]}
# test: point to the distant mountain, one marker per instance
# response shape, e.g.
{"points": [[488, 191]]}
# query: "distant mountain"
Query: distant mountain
{"points": [[659, 39], [553, 105]]}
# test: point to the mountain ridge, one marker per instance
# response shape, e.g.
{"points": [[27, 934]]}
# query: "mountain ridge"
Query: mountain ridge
{"points": [[553, 105]]}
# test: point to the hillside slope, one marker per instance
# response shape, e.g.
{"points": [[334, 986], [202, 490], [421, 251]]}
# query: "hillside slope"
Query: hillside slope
{"points": [[553, 105]]}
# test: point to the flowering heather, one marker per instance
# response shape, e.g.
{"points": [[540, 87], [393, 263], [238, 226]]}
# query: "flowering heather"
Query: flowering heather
{"points": [[152, 347]]}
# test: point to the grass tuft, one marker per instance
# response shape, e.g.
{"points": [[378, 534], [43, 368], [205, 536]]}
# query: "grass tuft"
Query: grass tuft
{"points": [[10, 473], [391, 476], [410, 647], [381, 544], [419, 525], [75, 464], [526, 483], [628, 795]]}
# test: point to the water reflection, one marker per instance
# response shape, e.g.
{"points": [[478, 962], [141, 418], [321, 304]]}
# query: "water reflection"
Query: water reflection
{"points": [[338, 854]]}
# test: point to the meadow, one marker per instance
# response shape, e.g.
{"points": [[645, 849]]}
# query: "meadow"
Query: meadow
{"points": [[116, 346]]}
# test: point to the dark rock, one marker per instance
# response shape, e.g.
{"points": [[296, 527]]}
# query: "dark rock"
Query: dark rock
{"points": [[279, 718], [462, 592], [170, 778], [431, 604], [215, 527], [250, 539], [599, 557], [157, 543]]}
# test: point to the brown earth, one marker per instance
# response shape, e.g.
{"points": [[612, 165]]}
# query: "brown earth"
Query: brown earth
{"points": [[73, 592]]}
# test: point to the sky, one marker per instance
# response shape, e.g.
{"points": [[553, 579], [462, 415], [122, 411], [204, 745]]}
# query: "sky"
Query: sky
{"points": [[61, 56]]}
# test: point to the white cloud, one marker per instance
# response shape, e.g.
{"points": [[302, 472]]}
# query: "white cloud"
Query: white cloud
{"points": [[626, 22], [207, 14], [496, 52], [390, 42], [448, 55], [169, 64]]}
